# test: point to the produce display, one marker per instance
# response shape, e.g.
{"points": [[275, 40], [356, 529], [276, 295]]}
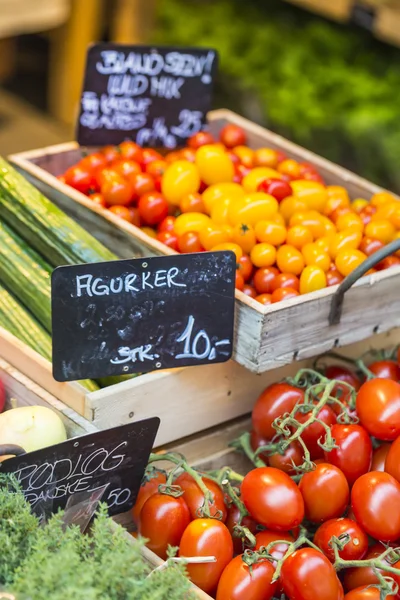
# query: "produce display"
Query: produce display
{"points": [[318, 515], [292, 234]]}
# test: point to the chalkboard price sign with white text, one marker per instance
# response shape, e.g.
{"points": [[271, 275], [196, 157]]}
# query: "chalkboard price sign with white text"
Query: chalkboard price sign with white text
{"points": [[154, 96], [130, 316]]}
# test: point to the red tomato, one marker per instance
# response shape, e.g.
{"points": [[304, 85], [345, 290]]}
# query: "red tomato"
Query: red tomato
{"points": [[276, 400], [167, 224], [378, 408], [131, 151], [366, 593], [354, 453], [239, 281], [392, 462], [379, 457], [239, 581], [343, 374], [98, 199], [94, 161], [149, 155], [325, 492], [356, 547], [162, 521], [201, 138], [142, 183], [385, 369], [189, 242], [194, 497], [207, 537], [232, 135], [278, 188], [232, 520], [80, 179], [117, 191], [249, 291], [316, 431], [245, 267], [147, 489], [293, 456], [286, 280], [266, 537], [156, 168], [168, 238], [363, 576], [308, 575], [153, 208], [272, 499], [111, 153], [264, 278], [375, 500], [284, 294]]}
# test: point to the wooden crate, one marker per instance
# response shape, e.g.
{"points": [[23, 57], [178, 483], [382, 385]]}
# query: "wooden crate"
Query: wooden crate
{"points": [[266, 337]]}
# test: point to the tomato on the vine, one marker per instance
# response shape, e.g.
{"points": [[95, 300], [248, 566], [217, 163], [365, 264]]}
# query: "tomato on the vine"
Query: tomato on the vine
{"points": [[356, 547], [272, 499], [206, 537], [291, 458], [240, 581], [363, 576], [325, 492], [392, 461], [353, 454], [316, 431], [340, 373], [231, 522], [148, 488], [385, 369], [276, 400], [379, 457], [378, 408], [266, 537], [366, 593], [163, 520], [194, 497]]}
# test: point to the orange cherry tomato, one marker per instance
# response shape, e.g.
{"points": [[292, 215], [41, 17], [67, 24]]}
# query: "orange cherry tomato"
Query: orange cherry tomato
{"points": [[264, 299], [252, 208], [121, 211], [284, 280], [369, 245], [337, 191], [389, 261], [310, 219], [315, 256], [232, 135], [249, 291], [149, 231], [98, 199], [265, 157], [386, 211], [349, 220], [313, 193], [349, 259], [189, 242], [126, 167], [312, 279], [348, 238], [141, 183], [221, 191], [283, 294], [263, 255], [245, 267], [220, 210], [117, 191], [131, 151], [229, 246], [244, 154], [244, 236], [180, 178], [324, 243], [214, 164], [291, 205], [156, 168], [213, 235], [252, 180], [264, 279], [201, 138], [381, 198], [270, 232], [333, 204], [149, 155], [111, 153], [290, 167], [192, 203], [298, 236], [191, 222], [188, 154], [289, 260], [381, 230]]}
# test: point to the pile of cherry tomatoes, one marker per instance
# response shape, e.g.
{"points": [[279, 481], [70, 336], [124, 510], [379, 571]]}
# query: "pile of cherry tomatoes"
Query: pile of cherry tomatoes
{"points": [[308, 528], [291, 233]]}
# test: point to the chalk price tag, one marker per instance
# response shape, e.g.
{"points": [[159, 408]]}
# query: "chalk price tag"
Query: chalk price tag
{"points": [[156, 96], [115, 459], [133, 316]]}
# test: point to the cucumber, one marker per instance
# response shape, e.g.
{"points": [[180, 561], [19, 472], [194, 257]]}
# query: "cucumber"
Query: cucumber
{"points": [[43, 225]]}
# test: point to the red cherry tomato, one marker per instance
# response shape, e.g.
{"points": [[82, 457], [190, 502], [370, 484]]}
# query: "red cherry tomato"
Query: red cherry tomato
{"points": [[80, 179], [353, 455], [125, 168], [326, 493], [169, 238], [194, 497], [355, 549], [201, 138], [245, 267], [94, 161], [239, 581], [122, 212], [167, 224], [148, 488], [333, 277], [385, 369], [286, 280], [276, 400], [162, 521], [111, 153], [272, 499], [264, 299], [308, 575], [142, 183], [232, 520], [379, 457], [117, 191], [316, 431], [153, 208], [207, 537], [263, 279], [149, 155], [366, 593], [277, 188], [284, 294], [249, 291], [102, 175], [189, 242], [156, 168], [375, 500], [378, 408], [232, 135], [131, 151], [389, 261], [369, 245], [239, 281], [364, 576]]}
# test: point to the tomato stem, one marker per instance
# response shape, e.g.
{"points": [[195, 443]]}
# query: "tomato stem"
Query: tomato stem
{"points": [[243, 443]]}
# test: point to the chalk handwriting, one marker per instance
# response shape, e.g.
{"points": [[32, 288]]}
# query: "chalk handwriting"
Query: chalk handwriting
{"points": [[141, 353], [200, 347]]}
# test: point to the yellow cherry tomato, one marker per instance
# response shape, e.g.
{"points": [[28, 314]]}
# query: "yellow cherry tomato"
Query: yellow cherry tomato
{"points": [[324, 242], [289, 260], [381, 198], [349, 220], [214, 164], [252, 180], [263, 255], [333, 203], [220, 210], [213, 235], [149, 231], [329, 227], [315, 256], [270, 232], [244, 236], [382, 230], [337, 191], [252, 208], [348, 238], [266, 157], [229, 246], [289, 167], [291, 205], [312, 279], [190, 222], [310, 219], [349, 259], [244, 154], [298, 236], [180, 179], [313, 193], [277, 218], [219, 191], [358, 204]]}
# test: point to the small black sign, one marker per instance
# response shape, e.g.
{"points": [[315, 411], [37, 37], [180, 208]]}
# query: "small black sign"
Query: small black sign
{"points": [[155, 96], [133, 316], [115, 458]]}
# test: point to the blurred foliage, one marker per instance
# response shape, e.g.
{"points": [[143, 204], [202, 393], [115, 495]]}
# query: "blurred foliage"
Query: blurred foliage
{"points": [[331, 88]]}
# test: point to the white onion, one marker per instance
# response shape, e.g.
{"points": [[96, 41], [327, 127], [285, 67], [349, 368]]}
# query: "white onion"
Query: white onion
{"points": [[31, 427]]}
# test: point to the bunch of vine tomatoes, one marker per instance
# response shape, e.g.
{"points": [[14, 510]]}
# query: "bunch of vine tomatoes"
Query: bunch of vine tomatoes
{"points": [[291, 233], [318, 517]]}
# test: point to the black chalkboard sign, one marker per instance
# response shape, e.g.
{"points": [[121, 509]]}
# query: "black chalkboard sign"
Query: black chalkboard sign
{"points": [[363, 16], [157, 96], [115, 458], [133, 316]]}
